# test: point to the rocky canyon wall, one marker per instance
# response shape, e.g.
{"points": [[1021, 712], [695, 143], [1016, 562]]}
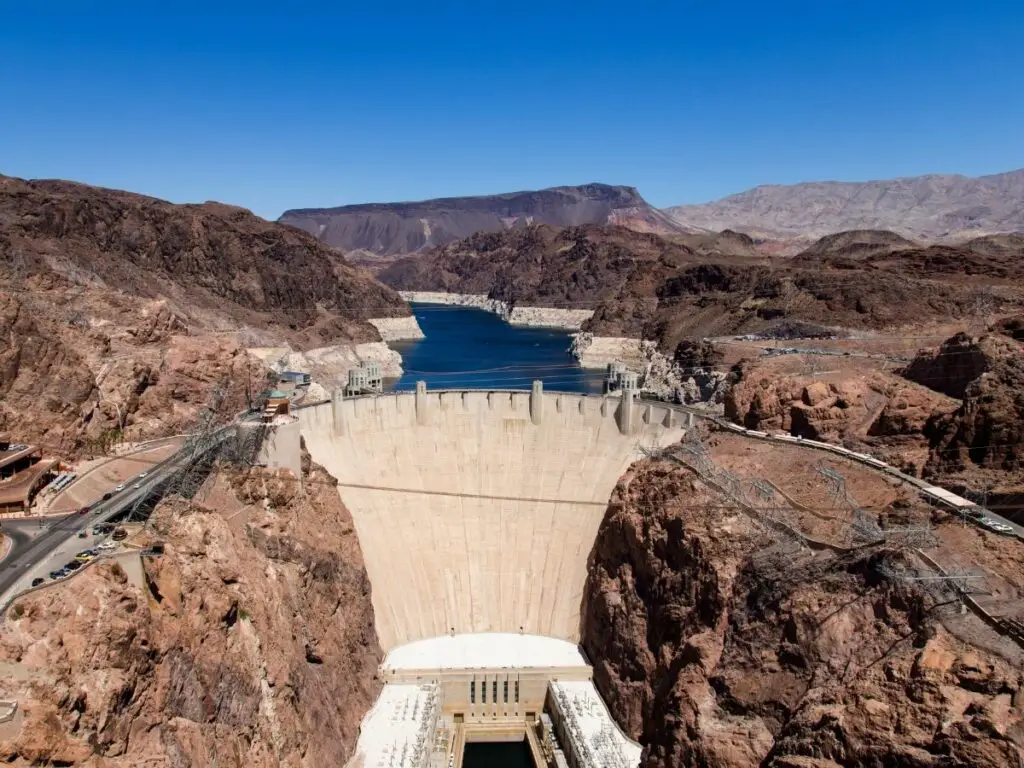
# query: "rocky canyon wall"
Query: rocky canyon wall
{"points": [[249, 643], [714, 647]]}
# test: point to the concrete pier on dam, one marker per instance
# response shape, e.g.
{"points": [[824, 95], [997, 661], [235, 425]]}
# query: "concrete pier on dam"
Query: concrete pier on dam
{"points": [[476, 511]]}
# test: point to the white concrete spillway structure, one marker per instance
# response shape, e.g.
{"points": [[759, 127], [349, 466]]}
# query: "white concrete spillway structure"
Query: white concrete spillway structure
{"points": [[476, 511], [442, 692]]}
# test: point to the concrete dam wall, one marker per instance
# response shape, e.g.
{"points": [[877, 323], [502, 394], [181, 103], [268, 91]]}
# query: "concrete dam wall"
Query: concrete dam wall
{"points": [[477, 511]]}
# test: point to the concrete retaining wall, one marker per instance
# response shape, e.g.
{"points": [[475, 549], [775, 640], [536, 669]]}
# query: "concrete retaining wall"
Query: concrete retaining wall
{"points": [[476, 511], [533, 317], [397, 328]]}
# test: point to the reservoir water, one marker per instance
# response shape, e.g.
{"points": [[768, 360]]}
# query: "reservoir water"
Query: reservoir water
{"points": [[469, 348]]}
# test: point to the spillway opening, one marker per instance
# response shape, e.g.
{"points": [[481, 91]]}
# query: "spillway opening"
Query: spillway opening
{"points": [[506, 754]]}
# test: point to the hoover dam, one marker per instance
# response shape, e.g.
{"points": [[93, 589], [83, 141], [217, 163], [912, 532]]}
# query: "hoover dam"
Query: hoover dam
{"points": [[476, 513]]}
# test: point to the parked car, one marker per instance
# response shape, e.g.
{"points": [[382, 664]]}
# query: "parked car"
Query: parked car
{"points": [[84, 558], [84, 510], [37, 581], [106, 546], [72, 565], [82, 534], [107, 495], [56, 574]]}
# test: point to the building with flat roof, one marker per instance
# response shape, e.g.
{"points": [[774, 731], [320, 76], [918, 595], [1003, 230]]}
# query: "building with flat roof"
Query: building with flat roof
{"points": [[278, 403], [442, 692], [618, 377], [23, 472], [17, 457], [364, 380], [298, 378]]}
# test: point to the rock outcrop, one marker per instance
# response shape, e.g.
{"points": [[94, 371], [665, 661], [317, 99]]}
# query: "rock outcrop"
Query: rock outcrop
{"points": [[248, 643], [873, 410], [981, 444], [959, 361], [714, 648]]}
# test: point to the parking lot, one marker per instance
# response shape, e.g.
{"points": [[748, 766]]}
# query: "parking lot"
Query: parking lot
{"points": [[62, 555], [103, 478]]}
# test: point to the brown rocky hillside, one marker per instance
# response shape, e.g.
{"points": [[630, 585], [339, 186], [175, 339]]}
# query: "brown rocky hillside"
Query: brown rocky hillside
{"points": [[643, 285], [856, 406], [981, 444], [716, 646], [111, 301], [248, 644]]}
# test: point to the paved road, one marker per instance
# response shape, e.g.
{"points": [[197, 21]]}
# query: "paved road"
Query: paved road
{"points": [[35, 539], [31, 541], [838, 450], [93, 483]]}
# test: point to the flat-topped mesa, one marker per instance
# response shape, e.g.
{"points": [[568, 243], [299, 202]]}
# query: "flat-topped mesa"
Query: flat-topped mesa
{"points": [[409, 227], [476, 510]]}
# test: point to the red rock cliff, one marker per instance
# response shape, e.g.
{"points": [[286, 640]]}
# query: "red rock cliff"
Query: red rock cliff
{"points": [[715, 648], [249, 644]]}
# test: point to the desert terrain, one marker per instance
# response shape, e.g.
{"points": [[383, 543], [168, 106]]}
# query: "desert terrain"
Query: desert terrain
{"points": [[765, 632], [122, 316]]}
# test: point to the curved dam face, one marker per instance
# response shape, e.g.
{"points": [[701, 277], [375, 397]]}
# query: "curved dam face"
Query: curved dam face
{"points": [[477, 511]]}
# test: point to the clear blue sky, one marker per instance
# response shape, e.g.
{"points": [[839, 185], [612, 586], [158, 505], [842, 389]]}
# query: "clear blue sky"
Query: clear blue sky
{"points": [[273, 107]]}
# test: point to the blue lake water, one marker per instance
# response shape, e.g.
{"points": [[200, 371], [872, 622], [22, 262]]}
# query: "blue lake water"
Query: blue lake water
{"points": [[472, 349]]}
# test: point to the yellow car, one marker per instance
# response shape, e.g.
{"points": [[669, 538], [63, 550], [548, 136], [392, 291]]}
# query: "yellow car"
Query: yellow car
{"points": [[83, 558]]}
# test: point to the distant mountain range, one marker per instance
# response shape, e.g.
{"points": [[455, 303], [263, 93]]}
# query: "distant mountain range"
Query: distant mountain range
{"points": [[400, 228], [934, 207], [922, 207]]}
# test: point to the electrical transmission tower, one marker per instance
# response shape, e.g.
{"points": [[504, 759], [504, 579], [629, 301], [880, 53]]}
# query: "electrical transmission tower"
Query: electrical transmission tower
{"points": [[960, 581], [733, 486], [863, 527], [213, 437], [763, 490]]}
